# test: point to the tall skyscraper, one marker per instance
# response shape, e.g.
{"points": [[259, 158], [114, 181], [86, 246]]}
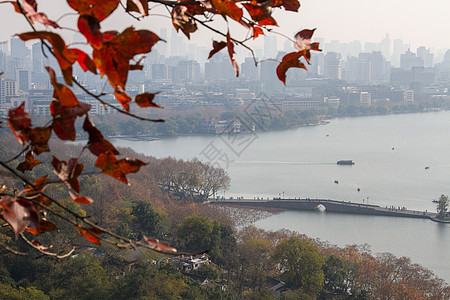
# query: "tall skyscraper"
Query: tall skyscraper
{"points": [[426, 55], [333, 65], [398, 48], [177, 45], [19, 49], [385, 46], [270, 46], [162, 46], [36, 53]]}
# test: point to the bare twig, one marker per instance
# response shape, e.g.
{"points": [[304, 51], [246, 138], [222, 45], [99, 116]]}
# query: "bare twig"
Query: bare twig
{"points": [[12, 250], [19, 154], [56, 255]]}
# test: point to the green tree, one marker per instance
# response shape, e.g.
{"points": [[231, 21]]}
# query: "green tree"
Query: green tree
{"points": [[210, 271], [302, 264], [442, 205], [148, 220], [197, 233], [336, 272], [21, 293]]}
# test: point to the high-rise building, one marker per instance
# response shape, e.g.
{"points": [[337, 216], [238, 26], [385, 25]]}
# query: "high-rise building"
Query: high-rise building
{"points": [[162, 46], [248, 69], [317, 64], [19, 49], [408, 60], [333, 65], [2, 61], [351, 67], [23, 79], [8, 88], [219, 68], [177, 46], [36, 53], [186, 71], [158, 71], [356, 48], [378, 67], [426, 55], [364, 74], [385, 46], [398, 48], [270, 46]]}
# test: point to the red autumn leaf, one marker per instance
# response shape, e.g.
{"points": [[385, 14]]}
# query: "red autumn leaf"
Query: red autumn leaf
{"points": [[228, 8], [86, 63], [46, 226], [114, 57], [89, 26], [68, 172], [181, 20], [34, 192], [64, 118], [109, 35], [117, 169], [98, 9], [230, 46], [29, 163], [303, 40], [64, 56], [89, 234], [32, 231], [194, 9], [40, 182], [19, 213], [141, 6], [261, 13], [36, 188], [159, 246], [19, 120], [39, 137], [80, 199], [217, 46], [290, 60], [29, 8], [96, 143], [123, 97], [146, 100], [257, 31], [62, 92], [290, 5], [315, 46]]}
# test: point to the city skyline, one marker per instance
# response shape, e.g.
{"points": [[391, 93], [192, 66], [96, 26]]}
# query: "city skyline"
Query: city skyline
{"points": [[415, 22]]}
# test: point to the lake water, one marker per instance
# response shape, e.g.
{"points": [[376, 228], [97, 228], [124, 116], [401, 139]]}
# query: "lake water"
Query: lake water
{"points": [[400, 160]]}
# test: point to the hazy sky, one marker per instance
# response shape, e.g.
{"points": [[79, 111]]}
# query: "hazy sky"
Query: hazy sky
{"points": [[417, 22]]}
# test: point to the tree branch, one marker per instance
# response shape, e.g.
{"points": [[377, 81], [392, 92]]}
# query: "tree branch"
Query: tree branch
{"points": [[56, 255]]}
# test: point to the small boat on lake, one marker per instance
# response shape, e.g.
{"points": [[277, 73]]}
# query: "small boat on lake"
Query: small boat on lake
{"points": [[345, 162]]}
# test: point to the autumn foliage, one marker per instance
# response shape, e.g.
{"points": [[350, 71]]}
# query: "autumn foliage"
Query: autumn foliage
{"points": [[114, 55]]}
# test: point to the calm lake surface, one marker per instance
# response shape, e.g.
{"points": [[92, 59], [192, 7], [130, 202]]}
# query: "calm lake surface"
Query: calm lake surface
{"points": [[400, 160]]}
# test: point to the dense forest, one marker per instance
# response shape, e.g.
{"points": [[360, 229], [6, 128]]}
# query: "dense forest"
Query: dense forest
{"points": [[240, 263]]}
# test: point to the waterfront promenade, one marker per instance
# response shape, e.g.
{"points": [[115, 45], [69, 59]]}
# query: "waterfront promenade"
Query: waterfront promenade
{"points": [[326, 204]]}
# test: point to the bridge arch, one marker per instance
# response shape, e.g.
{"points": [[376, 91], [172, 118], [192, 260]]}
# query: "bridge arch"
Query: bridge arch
{"points": [[321, 207]]}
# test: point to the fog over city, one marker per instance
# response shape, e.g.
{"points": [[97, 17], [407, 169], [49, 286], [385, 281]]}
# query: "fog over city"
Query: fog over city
{"points": [[420, 23]]}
